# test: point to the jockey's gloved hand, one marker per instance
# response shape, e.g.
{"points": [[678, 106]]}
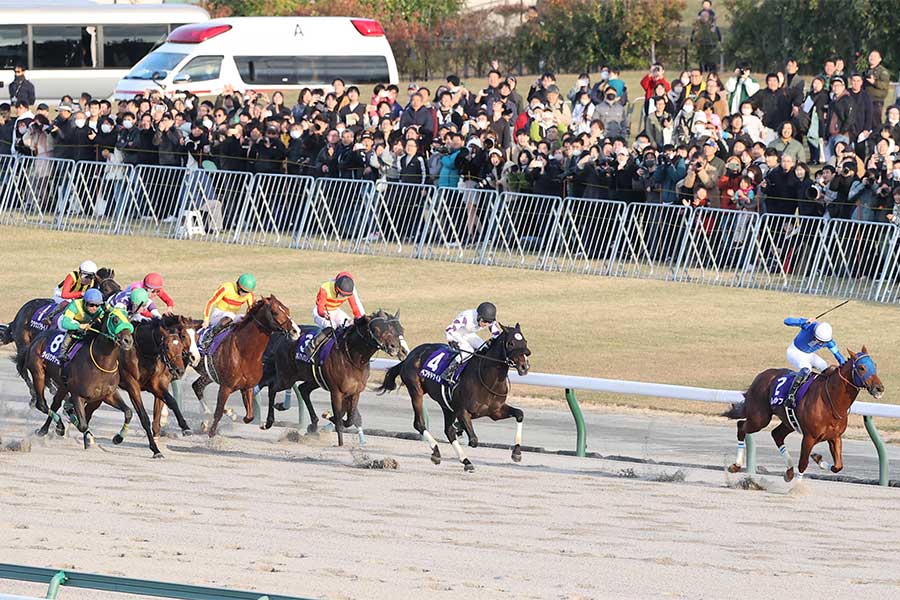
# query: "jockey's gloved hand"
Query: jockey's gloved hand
{"points": [[453, 345]]}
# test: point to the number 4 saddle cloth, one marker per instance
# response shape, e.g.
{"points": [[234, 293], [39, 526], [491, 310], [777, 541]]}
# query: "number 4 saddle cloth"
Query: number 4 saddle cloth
{"points": [[437, 363]]}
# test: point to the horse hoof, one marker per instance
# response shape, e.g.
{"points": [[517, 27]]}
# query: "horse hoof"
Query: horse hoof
{"points": [[312, 428], [436, 459], [280, 406], [204, 427], [41, 432], [187, 432], [267, 425], [789, 474], [117, 439], [61, 429], [230, 414], [735, 468], [835, 469], [468, 466], [473, 443], [247, 420], [157, 455], [818, 459], [517, 454], [88, 441]]}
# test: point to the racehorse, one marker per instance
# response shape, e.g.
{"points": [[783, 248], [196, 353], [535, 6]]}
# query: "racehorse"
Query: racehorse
{"points": [[481, 389], [821, 413], [236, 363], [93, 375], [163, 349], [187, 328], [22, 330], [343, 372], [158, 355]]}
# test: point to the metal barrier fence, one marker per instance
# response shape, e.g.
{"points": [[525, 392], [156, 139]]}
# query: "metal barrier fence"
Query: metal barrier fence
{"points": [[465, 225]]}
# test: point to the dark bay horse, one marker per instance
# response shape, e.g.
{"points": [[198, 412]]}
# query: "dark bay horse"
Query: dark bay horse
{"points": [[158, 355], [22, 331], [93, 375], [480, 392], [161, 354], [345, 371], [237, 362], [822, 412]]}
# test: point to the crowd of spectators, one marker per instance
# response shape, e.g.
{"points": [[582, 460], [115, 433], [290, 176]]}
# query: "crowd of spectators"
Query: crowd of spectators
{"points": [[781, 143]]}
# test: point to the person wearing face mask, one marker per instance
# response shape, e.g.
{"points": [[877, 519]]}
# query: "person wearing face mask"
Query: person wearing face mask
{"points": [[740, 87], [684, 123], [614, 114], [295, 150], [104, 140], [20, 89], [81, 139], [583, 113], [128, 141], [169, 141]]}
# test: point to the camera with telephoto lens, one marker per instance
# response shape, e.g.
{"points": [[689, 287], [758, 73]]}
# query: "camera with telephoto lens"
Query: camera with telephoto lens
{"points": [[884, 191], [814, 192], [606, 164]]}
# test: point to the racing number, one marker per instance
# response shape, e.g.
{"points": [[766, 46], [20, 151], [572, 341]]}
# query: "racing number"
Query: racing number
{"points": [[435, 362]]}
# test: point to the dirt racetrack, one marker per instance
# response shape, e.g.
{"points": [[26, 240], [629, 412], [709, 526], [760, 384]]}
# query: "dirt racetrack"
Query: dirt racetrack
{"points": [[248, 511]]}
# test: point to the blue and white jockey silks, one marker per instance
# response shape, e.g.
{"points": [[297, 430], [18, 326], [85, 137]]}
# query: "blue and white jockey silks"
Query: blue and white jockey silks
{"points": [[813, 336]]}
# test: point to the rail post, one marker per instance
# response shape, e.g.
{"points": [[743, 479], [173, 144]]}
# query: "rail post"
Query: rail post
{"points": [[751, 454], [56, 581], [879, 447], [581, 441], [301, 406]]}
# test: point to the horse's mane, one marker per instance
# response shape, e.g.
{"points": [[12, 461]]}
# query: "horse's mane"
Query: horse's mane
{"points": [[252, 312]]}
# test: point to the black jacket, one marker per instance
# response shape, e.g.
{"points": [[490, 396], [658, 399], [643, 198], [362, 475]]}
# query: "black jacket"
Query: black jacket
{"points": [[82, 147], [22, 90], [412, 169], [781, 192], [268, 156], [776, 106]]}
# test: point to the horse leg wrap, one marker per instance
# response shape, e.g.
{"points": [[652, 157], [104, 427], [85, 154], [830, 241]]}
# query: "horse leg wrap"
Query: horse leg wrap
{"points": [[741, 449], [519, 433], [788, 461], [459, 451], [429, 439], [362, 437]]}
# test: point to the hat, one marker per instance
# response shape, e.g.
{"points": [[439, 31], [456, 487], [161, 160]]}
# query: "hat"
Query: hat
{"points": [[538, 106], [474, 142], [412, 86], [41, 106], [710, 142], [553, 88], [838, 78], [64, 106], [495, 151], [367, 135]]}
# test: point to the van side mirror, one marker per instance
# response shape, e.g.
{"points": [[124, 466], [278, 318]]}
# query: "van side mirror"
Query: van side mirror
{"points": [[181, 78]]}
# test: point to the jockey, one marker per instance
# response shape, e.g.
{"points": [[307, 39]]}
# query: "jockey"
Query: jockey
{"points": [[135, 303], [801, 354], [221, 310], [462, 333], [332, 294], [153, 284], [78, 317], [76, 282], [327, 314]]}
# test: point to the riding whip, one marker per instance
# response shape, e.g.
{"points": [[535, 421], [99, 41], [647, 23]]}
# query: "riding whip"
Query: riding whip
{"points": [[832, 309]]}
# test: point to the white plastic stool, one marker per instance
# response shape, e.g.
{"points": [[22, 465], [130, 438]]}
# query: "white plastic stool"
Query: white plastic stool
{"points": [[191, 223]]}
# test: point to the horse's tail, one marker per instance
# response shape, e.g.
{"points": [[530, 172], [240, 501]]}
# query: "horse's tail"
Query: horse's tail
{"points": [[390, 379], [737, 411], [5, 335]]}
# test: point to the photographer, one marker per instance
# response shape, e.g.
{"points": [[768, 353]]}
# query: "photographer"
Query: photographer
{"points": [[701, 173], [740, 87], [659, 123], [229, 152], [170, 142], [544, 173], [492, 176], [780, 187], [866, 194], [61, 132], [671, 169], [645, 183], [82, 147], [842, 208]]}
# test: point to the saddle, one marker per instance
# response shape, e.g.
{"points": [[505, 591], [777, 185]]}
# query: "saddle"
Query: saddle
{"points": [[313, 349], [438, 362]]}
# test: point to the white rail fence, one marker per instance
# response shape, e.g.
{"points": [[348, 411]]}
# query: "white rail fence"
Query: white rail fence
{"points": [[597, 237], [569, 383]]}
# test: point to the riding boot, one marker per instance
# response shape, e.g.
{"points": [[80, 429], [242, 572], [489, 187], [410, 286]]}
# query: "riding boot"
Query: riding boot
{"points": [[64, 348], [317, 341], [449, 375], [50, 319], [216, 330], [798, 381]]}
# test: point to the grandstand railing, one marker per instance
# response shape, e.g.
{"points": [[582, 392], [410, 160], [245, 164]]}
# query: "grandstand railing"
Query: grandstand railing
{"points": [[808, 255]]}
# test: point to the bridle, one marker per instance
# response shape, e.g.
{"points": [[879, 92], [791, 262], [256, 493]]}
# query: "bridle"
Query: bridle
{"points": [[370, 338], [853, 362], [507, 361], [163, 355], [284, 327]]}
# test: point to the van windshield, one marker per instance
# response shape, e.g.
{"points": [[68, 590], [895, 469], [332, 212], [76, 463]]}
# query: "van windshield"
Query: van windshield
{"points": [[155, 62]]}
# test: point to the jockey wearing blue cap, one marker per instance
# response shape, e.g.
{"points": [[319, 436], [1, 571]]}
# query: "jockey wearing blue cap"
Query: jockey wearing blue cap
{"points": [[801, 354]]}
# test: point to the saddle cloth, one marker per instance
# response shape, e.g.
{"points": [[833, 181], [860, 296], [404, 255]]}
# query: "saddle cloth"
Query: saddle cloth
{"points": [[216, 342], [321, 353], [783, 385], [37, 319], [51, 351], [437, 362]]}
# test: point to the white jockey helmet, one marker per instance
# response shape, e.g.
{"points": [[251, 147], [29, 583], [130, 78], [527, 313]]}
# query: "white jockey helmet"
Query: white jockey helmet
{"points": [[823, 332], [88, 267]]}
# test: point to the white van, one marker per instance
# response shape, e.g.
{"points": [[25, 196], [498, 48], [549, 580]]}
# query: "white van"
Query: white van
{"points": [[264, 54]]}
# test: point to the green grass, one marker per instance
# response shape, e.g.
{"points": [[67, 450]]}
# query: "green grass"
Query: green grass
{"points": [[581, 325]]}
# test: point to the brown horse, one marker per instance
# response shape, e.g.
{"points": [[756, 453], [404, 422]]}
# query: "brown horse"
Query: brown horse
{"points": [[22, 330], [344, 372], [480, 392], [237, 362], [821, 413], [93, 375]]}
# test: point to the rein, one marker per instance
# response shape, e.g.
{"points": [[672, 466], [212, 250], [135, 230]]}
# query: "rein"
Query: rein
{"points": [[828, 399], [94, 360]]}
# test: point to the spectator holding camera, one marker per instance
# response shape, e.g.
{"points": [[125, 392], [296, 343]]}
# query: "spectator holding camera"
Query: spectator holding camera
{"points": [[740, 87]]}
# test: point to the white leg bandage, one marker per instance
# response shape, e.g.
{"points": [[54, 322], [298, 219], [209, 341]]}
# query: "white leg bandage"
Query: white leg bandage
{"points": [[741, 450], [459, 451], [429, 439], [519, 433], [788, 461]]}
